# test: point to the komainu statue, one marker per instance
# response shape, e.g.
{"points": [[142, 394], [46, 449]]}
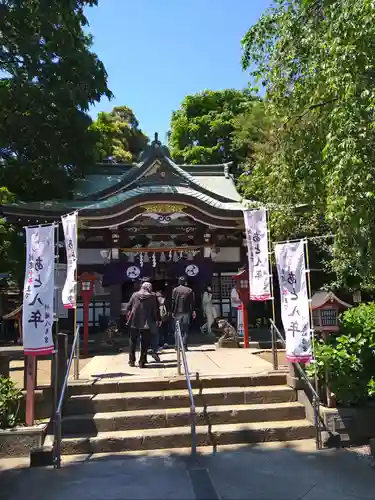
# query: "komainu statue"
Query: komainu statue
{"points": [[229, 335]]}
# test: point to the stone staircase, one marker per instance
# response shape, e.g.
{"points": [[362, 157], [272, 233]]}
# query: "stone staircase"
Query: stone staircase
{"points": [[149, 414]]}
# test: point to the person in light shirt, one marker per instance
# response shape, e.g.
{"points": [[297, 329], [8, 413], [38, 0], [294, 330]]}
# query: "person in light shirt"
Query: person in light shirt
{"points": [[235, 302]]}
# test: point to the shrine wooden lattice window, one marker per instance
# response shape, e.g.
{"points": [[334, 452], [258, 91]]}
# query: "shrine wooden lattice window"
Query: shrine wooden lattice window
{"points": [[328, 317], [222, 284], [96, 309], [226, 282], [216, 287]]}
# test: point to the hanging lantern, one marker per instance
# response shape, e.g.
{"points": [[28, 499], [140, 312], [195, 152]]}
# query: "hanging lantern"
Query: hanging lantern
{"points": [[175, 257], [190, 255], [131, 257], [146, 258], [162, 257]]}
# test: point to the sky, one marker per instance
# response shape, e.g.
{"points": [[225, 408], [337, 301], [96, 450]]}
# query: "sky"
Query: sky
{"points": [[158, 51]]}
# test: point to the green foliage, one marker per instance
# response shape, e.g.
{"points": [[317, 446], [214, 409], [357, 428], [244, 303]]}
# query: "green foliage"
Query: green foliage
{"points": [[12, 246], [208, 127], [350, 358], [316, 61], [49, 79], [119, 135], [10, 398]]}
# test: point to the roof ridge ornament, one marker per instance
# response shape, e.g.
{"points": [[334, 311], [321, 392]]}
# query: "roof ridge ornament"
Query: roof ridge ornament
{"points": [[156, 143]]}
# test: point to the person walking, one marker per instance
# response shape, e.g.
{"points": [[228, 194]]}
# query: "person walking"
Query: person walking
{"points": [[164, 320], [183, 307], [235, 303], [209, 311], [143, 317]]}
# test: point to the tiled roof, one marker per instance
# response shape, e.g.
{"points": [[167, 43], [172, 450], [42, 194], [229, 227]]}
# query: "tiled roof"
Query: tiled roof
{"points": [[145, 190], [93, 183], [221, 185]]}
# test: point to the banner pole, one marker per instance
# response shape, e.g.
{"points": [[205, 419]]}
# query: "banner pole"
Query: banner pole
{"points": [[275, 358], [76, 299], [308, 277], [57, 261], [270, 266], [54, 370], [316, 379]]}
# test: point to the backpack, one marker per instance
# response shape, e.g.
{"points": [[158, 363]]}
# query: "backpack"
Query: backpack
{"points": [[163, 312]]}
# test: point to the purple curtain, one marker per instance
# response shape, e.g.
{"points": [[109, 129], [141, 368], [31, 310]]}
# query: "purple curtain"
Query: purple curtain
{"points": [[198, 271], [118, 272]]}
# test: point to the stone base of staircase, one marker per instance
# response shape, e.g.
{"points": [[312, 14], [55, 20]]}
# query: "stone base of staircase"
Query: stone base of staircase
{"points": [[149, 414]]}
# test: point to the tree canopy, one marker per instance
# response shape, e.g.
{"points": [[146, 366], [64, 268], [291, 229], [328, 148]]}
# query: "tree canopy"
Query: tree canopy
{"points": [[49, 78], [119, 137], [203, 130], [316, 61]]}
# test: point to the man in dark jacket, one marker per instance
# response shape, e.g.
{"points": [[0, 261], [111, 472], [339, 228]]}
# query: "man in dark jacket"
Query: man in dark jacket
{"points": [[183, 307], [143, 316]]}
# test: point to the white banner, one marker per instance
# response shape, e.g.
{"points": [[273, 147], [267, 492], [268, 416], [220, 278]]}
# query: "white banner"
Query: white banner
{"points": [[295, 312], [257, 248], [69, 223], [38, 292]]}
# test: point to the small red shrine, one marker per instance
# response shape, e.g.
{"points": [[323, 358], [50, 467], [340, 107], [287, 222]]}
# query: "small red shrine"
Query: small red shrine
{"points": [[326, 308]]}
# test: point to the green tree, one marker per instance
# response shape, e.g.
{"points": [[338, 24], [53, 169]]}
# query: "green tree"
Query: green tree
{"points": [[119, 135], [202, 130], [49, 79], [12, 246], [316, 61]]}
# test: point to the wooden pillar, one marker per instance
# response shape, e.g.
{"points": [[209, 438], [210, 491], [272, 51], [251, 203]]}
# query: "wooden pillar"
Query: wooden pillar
{"points": [[245, 322], [86, 328], [30, 362]]}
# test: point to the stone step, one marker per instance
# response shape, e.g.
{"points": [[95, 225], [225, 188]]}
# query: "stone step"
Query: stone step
{"points": [[91, 424], [139, 384], [180, 437], [112, 402]]}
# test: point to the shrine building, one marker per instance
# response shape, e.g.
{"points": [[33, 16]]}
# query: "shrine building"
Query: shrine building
{"points": [[152, 219]]}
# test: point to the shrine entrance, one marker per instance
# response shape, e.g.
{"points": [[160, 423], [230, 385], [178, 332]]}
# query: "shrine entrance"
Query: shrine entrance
{"points": [[163, 268], [153, 219]]}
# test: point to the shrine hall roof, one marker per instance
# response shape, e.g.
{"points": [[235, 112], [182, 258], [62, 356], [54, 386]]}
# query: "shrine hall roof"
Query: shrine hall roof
{"points": [[111, 201], [111, 184], [215, 181]]}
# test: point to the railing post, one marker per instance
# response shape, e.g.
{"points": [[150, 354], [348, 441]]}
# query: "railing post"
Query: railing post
{"points": [[54, 379], [76, 357], [57, 454], [178, 347], [62, 360], [315, 403], [193, 432], [274, 349]]}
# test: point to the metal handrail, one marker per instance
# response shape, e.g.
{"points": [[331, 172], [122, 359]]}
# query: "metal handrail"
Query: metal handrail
{"points": [[58, 416], [193, 416], [275, 332]]}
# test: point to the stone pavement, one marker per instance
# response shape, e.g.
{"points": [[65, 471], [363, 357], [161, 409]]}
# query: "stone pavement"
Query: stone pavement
{"points": [[44, 371], [204, 359], [268, 471]]}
